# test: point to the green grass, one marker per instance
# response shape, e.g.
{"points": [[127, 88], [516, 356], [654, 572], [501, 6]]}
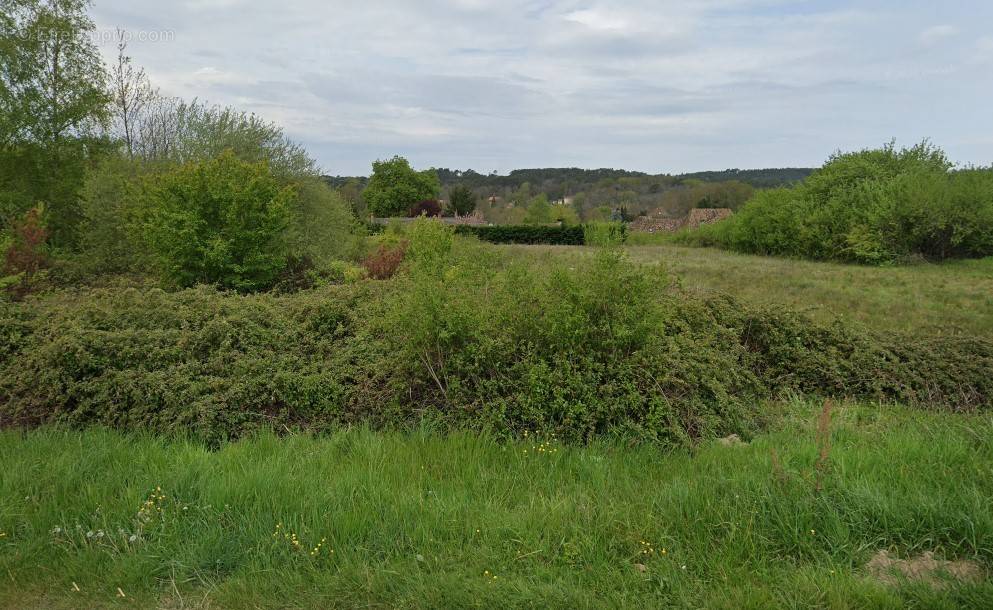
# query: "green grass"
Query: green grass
{"points": [[950, 298], [423, 520]]}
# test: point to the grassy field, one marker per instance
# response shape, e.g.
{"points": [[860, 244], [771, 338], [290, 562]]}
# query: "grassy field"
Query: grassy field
{"points": [[361, 519], [953, 298]]}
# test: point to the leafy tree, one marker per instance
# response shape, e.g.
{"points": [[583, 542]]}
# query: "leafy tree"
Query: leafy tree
{"points": [[53, 101], [461, 200], [322, 227], [395, 187], [222, 221], [351, 193], [565, 214], [539, 211], [110, 235]]}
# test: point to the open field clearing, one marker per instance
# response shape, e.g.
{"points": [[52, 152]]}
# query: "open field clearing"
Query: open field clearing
{"points": [[948, 298], [100, 519]]}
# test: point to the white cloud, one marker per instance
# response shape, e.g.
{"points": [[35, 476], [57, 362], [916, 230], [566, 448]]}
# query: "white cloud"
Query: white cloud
{"points": [[938, 33], [599, 20], [647, 84]]}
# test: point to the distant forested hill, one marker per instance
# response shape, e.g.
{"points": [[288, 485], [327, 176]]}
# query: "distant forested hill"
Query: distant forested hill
{"points": [[759, 178], [598, 193], [574, 179]]}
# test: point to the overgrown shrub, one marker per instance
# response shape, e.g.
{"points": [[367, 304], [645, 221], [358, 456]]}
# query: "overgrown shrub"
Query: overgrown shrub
{"points": [[605, 233], [385, 261], [25, 253], [220, 222], [462, 339], [874, 206]]}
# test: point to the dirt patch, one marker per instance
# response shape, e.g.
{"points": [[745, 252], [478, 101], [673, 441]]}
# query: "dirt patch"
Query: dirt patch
{"points": [[925, 568], [732, 441]]}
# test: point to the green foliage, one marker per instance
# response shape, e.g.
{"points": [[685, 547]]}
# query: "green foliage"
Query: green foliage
{"points": [[526, 234], [52, 102], [395, 187], [221, 221], [873, 206], [539, 211], [111, 233], [605, 233], [322, 226], [462, 339], [462, 200]]}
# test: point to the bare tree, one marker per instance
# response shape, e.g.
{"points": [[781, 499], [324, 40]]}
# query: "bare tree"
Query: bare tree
{"points": [[157, 129], [133, 93]]}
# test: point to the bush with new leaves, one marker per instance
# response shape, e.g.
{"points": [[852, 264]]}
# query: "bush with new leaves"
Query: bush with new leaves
{"points": [[873, 206], [220, 222]]}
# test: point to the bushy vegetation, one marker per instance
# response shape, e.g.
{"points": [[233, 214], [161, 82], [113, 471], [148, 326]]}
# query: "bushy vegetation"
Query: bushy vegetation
{"points": [[526, 234], [873, 206], [599, 347], [222, 222], [605, 234]]}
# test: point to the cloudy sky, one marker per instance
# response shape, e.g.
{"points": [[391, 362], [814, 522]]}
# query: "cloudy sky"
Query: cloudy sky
{"points": [[651, 85]]}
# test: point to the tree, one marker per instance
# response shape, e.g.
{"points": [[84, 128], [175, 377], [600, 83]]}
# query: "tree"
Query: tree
{"points": [[172, 130], [461, 200], [53, 101], [539, 211], [395, 187], [132, 92], [351, 193], [222, 221]]}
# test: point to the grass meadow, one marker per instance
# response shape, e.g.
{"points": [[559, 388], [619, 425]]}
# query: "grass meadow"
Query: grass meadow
{"points": [[795, 515], [420, 520], [954, 297]]}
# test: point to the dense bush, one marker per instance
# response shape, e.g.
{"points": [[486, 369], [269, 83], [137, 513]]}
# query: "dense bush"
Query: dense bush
{"points": [[874, 206], [605, 233], [607, 347], [385, 261], [220, 222], [526, 234], [427, 207]]}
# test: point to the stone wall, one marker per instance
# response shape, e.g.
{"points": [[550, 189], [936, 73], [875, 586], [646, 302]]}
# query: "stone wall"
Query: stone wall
{"points": [[658, 222]]}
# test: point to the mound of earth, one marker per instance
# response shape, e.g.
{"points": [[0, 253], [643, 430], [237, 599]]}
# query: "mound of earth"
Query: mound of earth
{"points": [[924, 568]]}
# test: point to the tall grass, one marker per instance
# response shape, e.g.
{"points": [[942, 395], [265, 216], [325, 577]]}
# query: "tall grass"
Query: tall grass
{"points": [[423, 520]]}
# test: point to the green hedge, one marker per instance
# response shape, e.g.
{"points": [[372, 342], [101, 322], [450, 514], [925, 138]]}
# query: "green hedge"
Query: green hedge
{"points": [[527, 234]]}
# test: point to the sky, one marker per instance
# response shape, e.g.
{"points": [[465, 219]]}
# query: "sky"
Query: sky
{"points": [[661, 86]]}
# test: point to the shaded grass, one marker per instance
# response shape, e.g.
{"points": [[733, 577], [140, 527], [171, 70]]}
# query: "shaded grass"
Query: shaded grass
{"points": [[426, 520], [948, 298]]}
